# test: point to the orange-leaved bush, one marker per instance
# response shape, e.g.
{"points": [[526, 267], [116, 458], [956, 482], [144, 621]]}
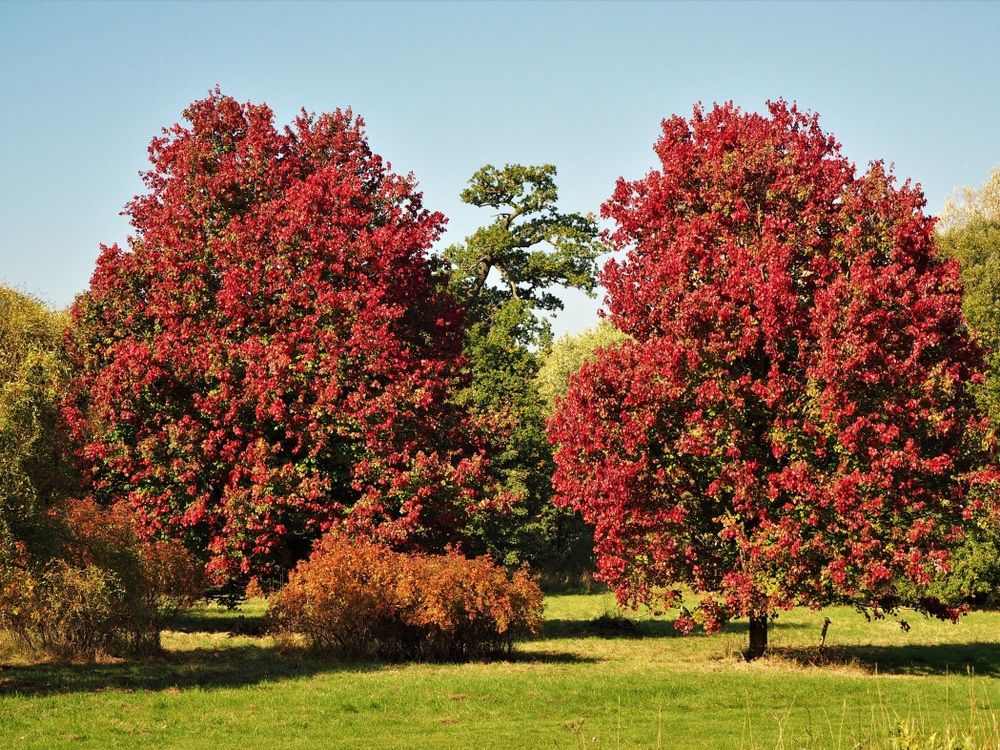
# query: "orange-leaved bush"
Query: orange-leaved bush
{"points": [[158, 578], [357, 598]]}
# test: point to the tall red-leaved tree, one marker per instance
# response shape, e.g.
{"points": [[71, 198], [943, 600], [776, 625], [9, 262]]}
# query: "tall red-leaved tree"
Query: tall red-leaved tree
{"points": [[274, 352], [791, 423]]}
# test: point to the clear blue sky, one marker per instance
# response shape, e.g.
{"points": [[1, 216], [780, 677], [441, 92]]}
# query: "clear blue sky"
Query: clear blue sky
{"points": [[446, 87]]}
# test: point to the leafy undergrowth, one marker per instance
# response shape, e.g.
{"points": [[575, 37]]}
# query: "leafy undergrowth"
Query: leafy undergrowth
{"points": [[596, 678]]}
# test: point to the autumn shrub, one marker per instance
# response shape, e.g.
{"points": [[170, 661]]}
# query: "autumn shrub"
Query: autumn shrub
{"points": [[342, 599], [158, 578], [356, 598], [108, 591], [473, 608], [15, 579], [65, 610]]}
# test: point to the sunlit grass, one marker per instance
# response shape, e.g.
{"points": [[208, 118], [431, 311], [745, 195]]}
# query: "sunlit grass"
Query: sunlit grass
{"points": [[616, 683]]}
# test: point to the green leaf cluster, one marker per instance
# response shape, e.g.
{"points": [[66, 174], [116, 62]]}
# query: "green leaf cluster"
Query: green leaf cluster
{"points": [[975, 244], [969, 232], [530, 243]]}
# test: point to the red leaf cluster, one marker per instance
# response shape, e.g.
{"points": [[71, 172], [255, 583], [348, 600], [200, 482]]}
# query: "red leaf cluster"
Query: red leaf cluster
{"points": [[274, 352], [792, 421]]}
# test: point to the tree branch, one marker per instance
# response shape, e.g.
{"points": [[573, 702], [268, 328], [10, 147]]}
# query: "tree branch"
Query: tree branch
{"points": [[511, 284], [484, 270]]}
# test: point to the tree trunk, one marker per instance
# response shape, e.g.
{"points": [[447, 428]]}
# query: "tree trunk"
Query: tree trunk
{"points": [[758, 637]]}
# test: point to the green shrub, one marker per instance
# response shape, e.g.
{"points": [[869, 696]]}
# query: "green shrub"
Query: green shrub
{"points": [[67, 611], [356, 599], [108, 591]]}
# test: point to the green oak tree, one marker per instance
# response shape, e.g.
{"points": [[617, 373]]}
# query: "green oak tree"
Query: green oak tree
{"points": [[505, 273], [531, 244]]}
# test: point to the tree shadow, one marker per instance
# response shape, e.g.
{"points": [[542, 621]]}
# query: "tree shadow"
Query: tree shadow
{"points": [[614, 626], [549, 657], [229, 665], [211, 668], [219, 621], [979, 658]]}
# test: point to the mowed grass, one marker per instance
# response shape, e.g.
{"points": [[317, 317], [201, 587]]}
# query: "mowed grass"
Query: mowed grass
{"points": [[590, 681]]}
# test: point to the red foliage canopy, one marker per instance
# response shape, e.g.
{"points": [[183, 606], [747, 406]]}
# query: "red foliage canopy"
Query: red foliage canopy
{"points": [[274, 352], [792, 423]]}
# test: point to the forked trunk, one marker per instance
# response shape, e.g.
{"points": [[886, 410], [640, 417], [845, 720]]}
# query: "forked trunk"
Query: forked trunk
{"points": [[758, 637]]}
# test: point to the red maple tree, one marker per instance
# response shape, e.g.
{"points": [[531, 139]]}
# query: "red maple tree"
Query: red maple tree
{"points": [[275, 352], [791, 423]]}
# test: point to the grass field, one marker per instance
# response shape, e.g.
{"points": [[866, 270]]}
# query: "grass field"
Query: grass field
{"points": [[588, 682]]}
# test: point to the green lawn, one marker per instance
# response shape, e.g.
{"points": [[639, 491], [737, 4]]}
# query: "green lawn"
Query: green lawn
{"points": [[583, 684]]}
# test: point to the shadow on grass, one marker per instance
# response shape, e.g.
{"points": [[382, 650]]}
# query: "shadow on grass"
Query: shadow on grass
{"points": [[548, 657], [979, 658], [233, 666], [612, 626], [226, 666], [219, 621]]}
